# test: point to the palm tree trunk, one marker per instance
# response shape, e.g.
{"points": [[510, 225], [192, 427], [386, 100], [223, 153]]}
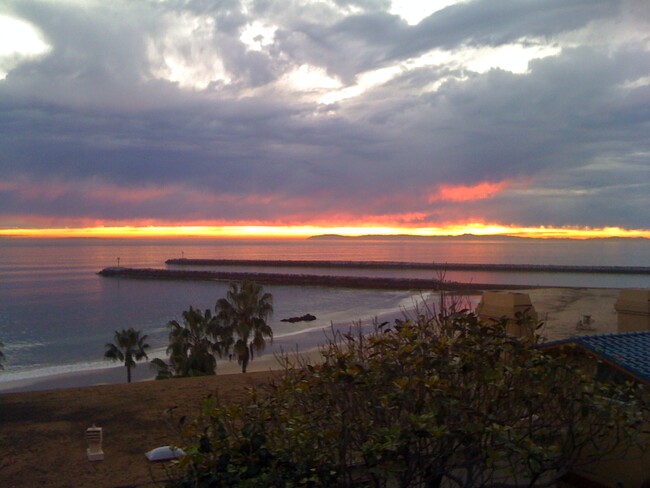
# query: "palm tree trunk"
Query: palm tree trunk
{"points": [[128, 374], [244, 360]]}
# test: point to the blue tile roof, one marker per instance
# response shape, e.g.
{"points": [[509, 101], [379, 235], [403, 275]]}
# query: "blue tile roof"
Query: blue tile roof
{"points": [[629, 351]]}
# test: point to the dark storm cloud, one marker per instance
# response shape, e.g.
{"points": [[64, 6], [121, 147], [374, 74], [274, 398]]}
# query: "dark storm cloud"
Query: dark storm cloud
{"points": [[373, 39], [94, 130], [496, 22]]}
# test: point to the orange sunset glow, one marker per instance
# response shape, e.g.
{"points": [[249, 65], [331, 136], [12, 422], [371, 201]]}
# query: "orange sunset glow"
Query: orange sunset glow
{"points": [[301, 232]]}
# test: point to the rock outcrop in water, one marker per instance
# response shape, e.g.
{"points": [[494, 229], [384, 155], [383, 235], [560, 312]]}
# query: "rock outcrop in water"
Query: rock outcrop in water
{"points": [[303, 318]]}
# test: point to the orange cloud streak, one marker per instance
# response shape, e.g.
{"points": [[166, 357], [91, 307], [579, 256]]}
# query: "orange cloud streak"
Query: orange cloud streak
{"points": [[464, 193]]}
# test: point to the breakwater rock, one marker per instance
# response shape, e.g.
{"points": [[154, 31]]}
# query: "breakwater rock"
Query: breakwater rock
{"points": [[303, 280], [546, 268]]}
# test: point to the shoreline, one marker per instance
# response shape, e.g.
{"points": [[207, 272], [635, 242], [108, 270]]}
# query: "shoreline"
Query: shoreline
{"points": [[142, 373], [558, 308], [306, 343]]}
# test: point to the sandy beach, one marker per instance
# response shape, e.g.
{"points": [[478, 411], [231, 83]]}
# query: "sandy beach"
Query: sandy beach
{"points": [[42, 432]]}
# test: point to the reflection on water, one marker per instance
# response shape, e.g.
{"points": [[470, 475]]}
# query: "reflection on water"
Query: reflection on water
{"points": [[55, 310]]}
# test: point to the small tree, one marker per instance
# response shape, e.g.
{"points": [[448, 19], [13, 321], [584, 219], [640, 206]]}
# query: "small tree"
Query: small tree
{"points": [[429, 402], [244, 312], [193, 345], [129, 347]]}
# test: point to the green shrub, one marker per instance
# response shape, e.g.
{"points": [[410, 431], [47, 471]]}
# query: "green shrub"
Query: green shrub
{"points": [[433, 400]]}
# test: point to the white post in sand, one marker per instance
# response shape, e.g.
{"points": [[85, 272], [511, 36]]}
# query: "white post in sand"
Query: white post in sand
{"points": [[94, 438]]}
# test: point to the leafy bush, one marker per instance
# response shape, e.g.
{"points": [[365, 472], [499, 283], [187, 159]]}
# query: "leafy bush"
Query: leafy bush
{"points": [[430, 401]]}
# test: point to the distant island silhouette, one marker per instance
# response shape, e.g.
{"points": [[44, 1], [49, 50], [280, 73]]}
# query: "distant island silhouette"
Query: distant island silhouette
{"points": [[463, 237]]}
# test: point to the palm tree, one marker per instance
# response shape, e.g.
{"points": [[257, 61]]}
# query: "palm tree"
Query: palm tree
{"points": [[244, 312], [193, 345], [129, 347]]}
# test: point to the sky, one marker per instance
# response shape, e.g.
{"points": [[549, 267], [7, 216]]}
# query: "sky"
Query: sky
{"points": [[309, 116]]}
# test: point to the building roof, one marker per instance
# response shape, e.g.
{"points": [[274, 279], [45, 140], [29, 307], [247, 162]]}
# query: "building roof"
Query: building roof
{"points": [[629, 351]]}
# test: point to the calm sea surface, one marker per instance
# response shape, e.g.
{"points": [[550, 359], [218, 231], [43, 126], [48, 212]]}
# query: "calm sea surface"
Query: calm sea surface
{"points": [[56, 314]]}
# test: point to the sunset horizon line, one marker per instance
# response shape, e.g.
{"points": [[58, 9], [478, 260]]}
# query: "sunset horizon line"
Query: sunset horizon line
{"points": [[307, 231]]}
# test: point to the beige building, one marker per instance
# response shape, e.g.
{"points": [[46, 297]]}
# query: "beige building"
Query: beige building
{"points": [[514, 307], [633, 309]]}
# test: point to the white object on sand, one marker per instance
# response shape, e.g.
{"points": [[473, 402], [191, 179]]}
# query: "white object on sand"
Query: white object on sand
{"points": [[164, 453]]}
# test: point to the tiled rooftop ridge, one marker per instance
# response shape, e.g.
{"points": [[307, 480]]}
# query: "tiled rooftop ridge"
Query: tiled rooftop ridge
{"points": [[628, 350]]}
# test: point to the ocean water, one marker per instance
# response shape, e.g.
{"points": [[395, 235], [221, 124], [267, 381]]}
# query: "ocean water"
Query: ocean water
{"points": [[56, 313]]}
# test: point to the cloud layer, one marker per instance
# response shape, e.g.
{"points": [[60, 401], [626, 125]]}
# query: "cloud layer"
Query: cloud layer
{"points": [[340, 112]]}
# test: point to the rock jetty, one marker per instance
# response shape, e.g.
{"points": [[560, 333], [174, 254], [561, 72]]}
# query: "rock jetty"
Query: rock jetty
{"points": [[303, 280], [546, 268]]}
